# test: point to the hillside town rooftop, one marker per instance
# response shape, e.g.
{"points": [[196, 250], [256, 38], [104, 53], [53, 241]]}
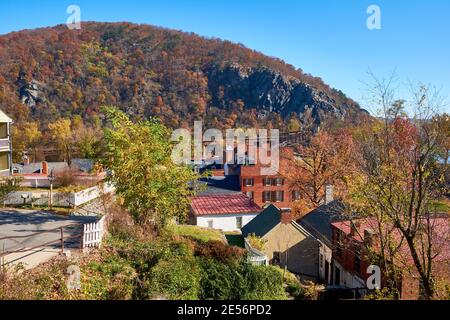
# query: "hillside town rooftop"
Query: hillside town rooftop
{"points": [[223, 204]]}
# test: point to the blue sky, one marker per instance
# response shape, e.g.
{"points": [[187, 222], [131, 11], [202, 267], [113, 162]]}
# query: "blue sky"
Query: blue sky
{"points": [[328, 39]]}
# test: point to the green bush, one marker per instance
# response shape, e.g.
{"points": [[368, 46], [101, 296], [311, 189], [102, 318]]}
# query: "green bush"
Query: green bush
{"points": [[176, 278], [113, 279], [263, 283], [219, 251], [239, 280], [220, 281], [166, 268]]}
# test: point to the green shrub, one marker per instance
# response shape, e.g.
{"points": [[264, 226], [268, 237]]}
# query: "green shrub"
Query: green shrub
{"points": [[175, 275], [220, 281], [129, 268], [113, 279], [263, 283], [177, 278], [256, 242], [219, 251], [239, 280]]}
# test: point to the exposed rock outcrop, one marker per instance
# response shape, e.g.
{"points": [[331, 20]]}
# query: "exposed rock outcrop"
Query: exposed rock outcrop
{"points": [[29, 92], [270, 91]]}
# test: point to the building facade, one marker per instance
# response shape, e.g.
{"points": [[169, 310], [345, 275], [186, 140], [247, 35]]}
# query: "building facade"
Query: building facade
{"points": [[226, 212], [351, 260], [5, 145], [286, 243], [265, 189]]}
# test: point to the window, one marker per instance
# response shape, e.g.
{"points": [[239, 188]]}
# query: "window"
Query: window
{"points": [[279, 196], [4, 161], [276, 260], [251, 195], [248, 182], [3, 131], [267, 182], [321, 261], [210, 224], [267, 196], [273, 196], [295, 195], [238, 222], [276, 182]]}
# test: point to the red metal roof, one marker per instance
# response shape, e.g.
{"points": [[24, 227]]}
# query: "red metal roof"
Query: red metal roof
{"points": [[223, 204]]}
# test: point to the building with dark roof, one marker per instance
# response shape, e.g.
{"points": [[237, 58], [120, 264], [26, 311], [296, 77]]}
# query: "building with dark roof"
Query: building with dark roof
{"points": [[36, 174], [220, 185], [286, 243], [319, 223]]}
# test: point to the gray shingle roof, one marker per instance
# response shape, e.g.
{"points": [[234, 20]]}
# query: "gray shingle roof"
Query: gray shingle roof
{"points": [[221, 185], [318, 222], [263, 223]]}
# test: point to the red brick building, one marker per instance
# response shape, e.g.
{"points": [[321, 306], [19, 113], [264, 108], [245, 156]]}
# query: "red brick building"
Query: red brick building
{"points": [[265, 189], [350, 257]]}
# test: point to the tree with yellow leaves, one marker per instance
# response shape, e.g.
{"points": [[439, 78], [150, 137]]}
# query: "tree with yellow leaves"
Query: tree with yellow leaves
{"points": [[62, 136], [26, 136]]}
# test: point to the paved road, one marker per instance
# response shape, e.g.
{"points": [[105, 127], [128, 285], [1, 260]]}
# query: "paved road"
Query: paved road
{"points": [[15, 222]]}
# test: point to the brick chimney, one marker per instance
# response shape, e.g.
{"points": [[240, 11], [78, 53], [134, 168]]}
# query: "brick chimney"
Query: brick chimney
{"points": [[285, 216], [329, 197], [44, 169]]}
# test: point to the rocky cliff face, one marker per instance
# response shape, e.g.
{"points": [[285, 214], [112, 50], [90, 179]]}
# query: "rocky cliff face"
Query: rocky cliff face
{"points": [[270, 91], [29, 92]]}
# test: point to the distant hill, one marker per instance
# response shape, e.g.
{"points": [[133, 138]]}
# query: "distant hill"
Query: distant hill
{"points": [[148, 71]]}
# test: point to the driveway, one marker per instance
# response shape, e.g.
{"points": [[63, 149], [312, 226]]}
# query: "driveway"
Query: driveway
{"points": [[14, 222]]}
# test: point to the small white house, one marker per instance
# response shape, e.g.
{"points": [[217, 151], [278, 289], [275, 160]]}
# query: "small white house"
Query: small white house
{"points": [[227, 212]]}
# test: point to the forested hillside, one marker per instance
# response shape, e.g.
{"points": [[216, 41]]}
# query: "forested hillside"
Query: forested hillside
{"points": [[53, 73]]}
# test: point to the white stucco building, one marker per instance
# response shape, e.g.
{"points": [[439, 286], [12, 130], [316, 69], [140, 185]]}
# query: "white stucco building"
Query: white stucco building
{"points": [[228, 212]]}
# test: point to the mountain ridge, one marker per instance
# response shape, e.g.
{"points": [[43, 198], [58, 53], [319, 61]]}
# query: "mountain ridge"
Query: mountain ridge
{"points": [[149, 71]]}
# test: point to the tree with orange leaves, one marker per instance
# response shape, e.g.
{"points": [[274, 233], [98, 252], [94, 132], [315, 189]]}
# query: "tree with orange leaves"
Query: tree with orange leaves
{"points": [[324, 161]]}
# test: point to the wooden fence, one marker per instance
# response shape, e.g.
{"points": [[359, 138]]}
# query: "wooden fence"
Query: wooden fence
{"points": [[93, 233], [90, 237]]}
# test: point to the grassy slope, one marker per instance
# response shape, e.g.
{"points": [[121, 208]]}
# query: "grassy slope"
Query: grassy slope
{"points": [[196, 233]]}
